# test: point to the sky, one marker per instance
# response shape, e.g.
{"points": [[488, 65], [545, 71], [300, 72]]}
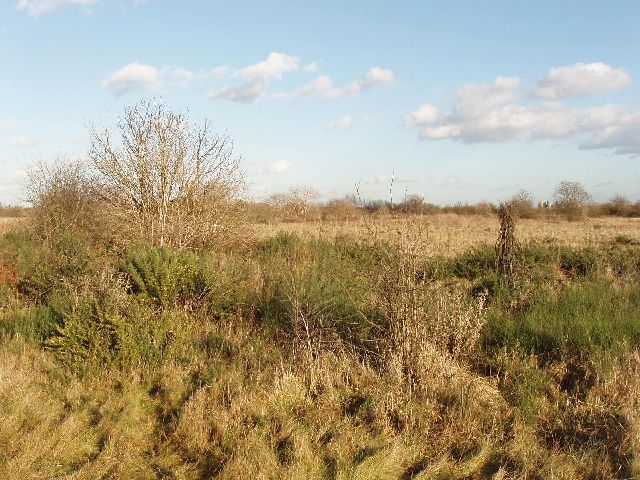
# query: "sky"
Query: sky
{"points": [[459, 101]]}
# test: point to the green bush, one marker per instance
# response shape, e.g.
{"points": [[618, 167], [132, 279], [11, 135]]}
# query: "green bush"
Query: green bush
{"points": [[102, 330], [579, 262], [35, 323], [313, 288], [476, 263], [163, 275], [67, 258], [586, 317]]}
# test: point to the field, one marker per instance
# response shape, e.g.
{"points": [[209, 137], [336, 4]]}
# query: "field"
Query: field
{"points": [[450, 234], [379, 347]]}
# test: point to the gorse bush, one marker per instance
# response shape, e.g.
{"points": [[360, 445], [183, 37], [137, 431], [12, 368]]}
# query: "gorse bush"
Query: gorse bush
{"points": [[314, 291], [99, 330], [165, 276], [67, 257], [588, 318]]}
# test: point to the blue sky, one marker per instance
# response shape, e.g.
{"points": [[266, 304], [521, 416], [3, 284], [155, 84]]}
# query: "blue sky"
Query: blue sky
{"points": [[464, 101]]}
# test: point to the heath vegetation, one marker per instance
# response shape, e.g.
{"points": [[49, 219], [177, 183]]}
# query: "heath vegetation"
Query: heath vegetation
{"points": [[153, 324]]}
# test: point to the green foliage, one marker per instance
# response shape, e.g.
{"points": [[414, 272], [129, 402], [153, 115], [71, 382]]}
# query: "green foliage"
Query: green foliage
{"points": [[101, 330], [588, 317], [476, 263], [163, 275], [35, 323], [66, 258], [312, 288], [579, 262], [624, 260]]}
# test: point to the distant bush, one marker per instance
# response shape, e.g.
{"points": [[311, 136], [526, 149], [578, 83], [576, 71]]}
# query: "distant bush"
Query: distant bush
{"points": [[522, 204], [340, 209], [8, 211], [570, 198]]}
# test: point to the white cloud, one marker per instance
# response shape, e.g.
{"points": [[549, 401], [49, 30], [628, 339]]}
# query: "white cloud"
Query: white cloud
{"points": [[375, 76], [342, 123], [257, 78], [36, 8], [182, 76], [312, 67], [318, 86], [581, 79], [322, 86], [246, 93], [217, 73], [9, 126], [425, 115], [275, 65], [496, 112], [134, 76], [276, 167], [139, 76], [22, 141]]}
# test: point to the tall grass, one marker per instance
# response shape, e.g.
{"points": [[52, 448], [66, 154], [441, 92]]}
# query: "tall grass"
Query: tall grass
{"points": [[308, 357]]}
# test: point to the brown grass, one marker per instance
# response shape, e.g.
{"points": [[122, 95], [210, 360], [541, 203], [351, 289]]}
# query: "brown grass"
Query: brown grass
{"points": [[451, 234], [8, 224]]}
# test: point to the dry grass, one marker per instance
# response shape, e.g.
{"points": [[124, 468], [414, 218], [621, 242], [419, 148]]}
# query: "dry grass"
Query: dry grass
{"points": [[450, 234], [231, 395], [8, 224]]}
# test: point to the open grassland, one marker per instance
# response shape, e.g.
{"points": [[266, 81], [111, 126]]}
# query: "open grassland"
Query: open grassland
{"points": [[450, 234], [381, 348]]}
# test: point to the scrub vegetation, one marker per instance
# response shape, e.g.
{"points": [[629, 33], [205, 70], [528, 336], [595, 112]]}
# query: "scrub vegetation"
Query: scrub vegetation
{"points": [[354, 346]]}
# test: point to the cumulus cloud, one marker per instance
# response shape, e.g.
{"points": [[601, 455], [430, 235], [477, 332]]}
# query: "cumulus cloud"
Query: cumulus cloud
{"points": [[497, 112], [312, 67], [342, 123], [375, 76], [134, 76], [276, 167], [275, 65], [36, 8], [425, 115], [248, 92], [257, 78], [323, 87], [580, 79], [140, 76]]}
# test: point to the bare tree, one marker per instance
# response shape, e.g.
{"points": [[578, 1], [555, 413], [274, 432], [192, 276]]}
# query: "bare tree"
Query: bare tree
{"points": [[166, 180], [294, 203], [571, 198], [522, 204], [63, 199]]}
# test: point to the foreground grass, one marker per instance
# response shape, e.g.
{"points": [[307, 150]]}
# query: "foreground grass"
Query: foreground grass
{"points": [[312, 358]]}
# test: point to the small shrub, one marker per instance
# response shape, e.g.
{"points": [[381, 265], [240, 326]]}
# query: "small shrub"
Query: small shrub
{"points": [[313, 292], [163, 275], [579, 262], [35, 323], [477, 262]]}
